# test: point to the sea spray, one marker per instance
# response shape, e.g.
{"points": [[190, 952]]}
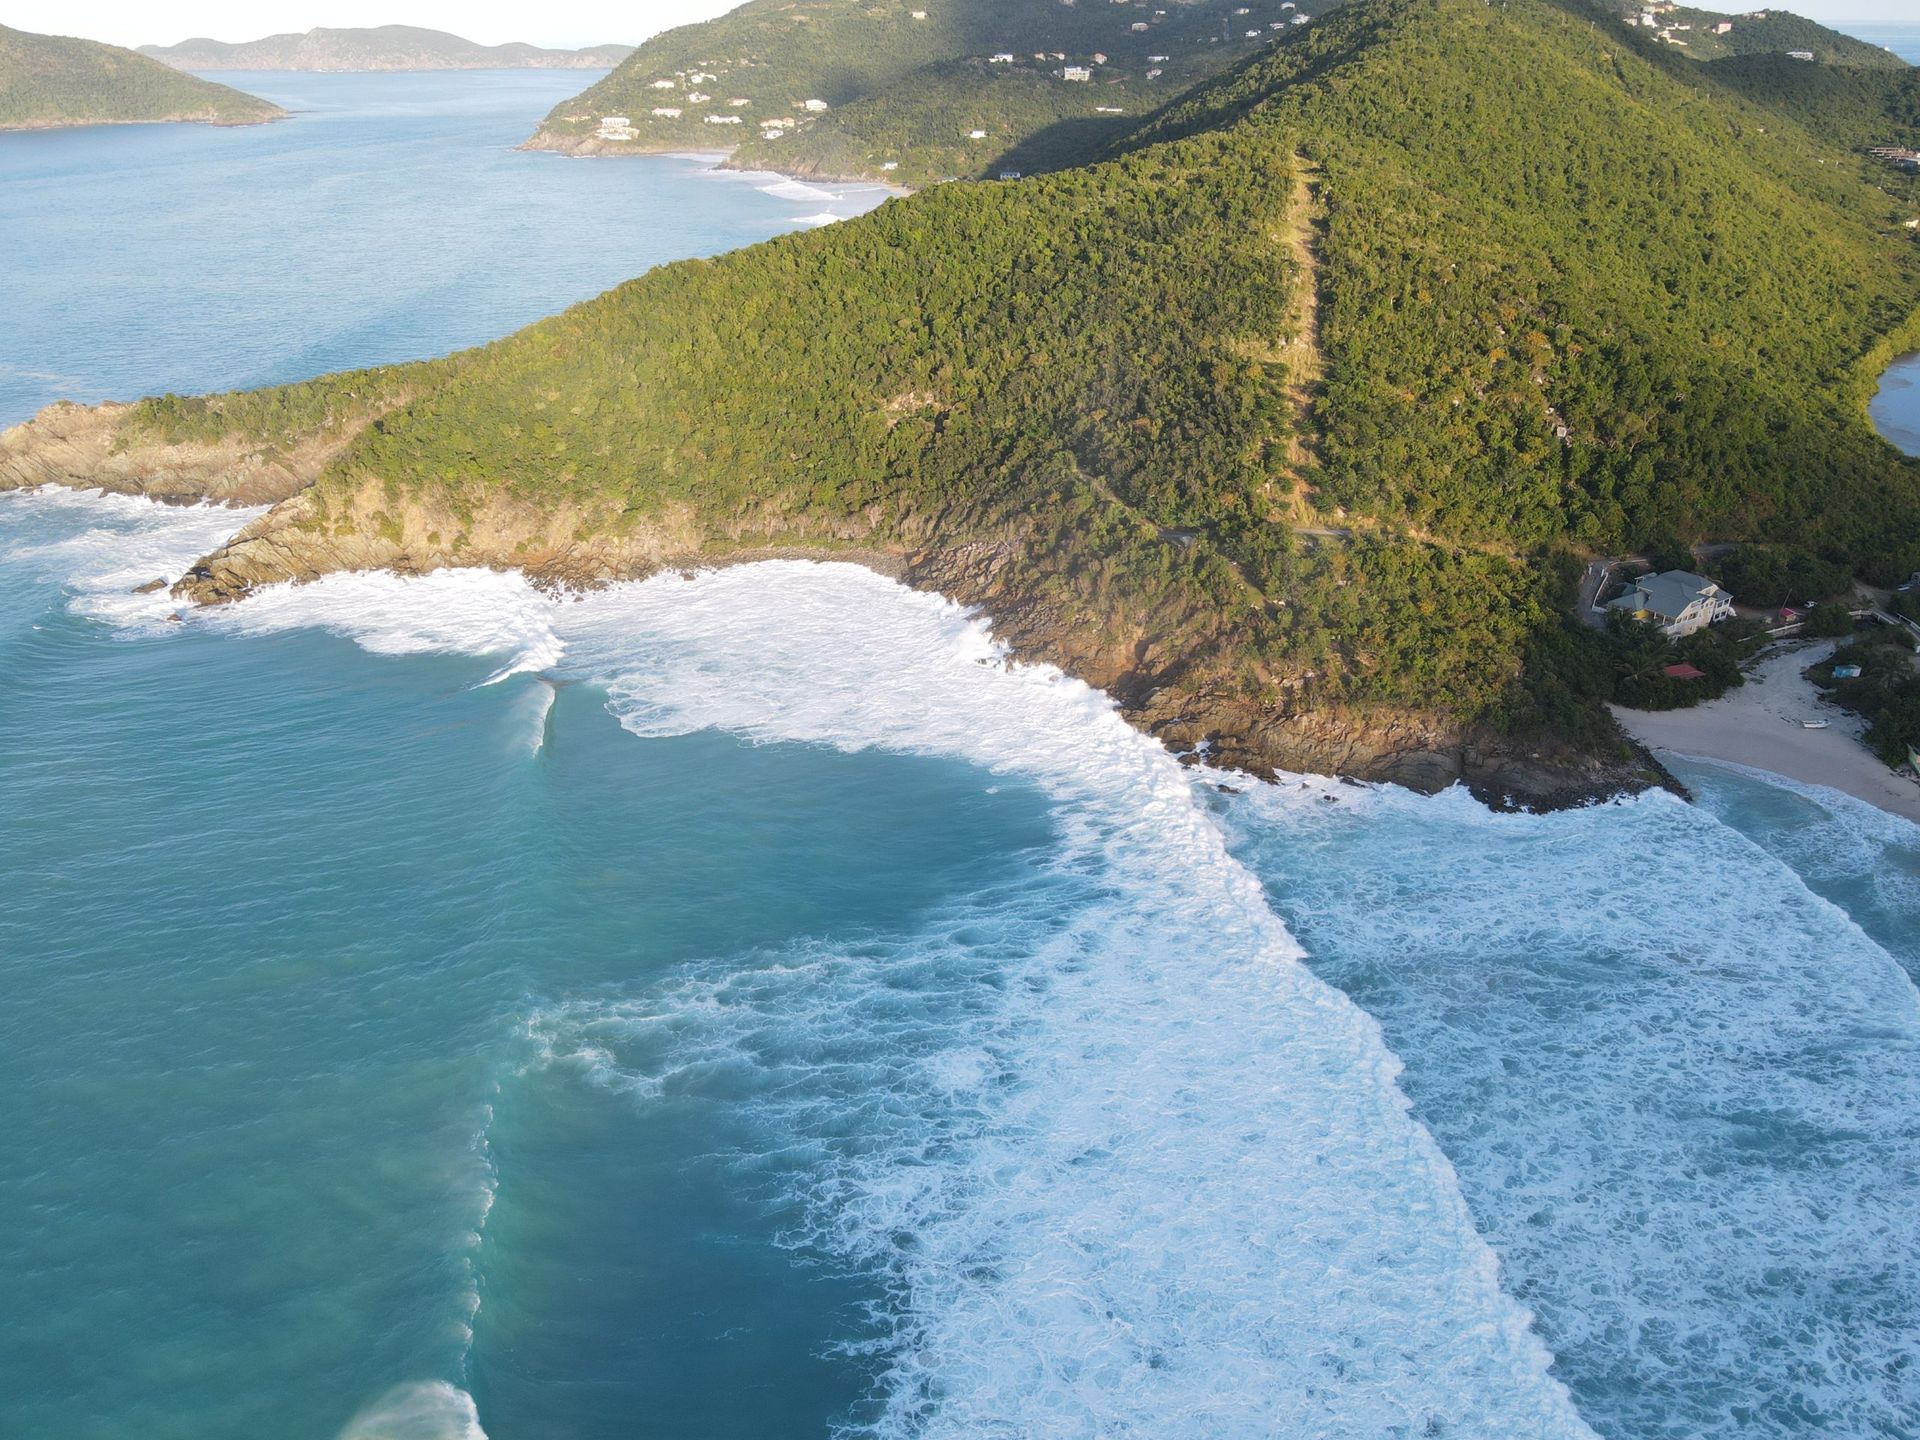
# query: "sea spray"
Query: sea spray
{"points": [[120, 546], [429, 1410]]}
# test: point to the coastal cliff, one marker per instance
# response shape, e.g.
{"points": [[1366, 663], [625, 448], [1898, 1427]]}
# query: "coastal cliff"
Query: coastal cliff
{"points": [[1288, 424], [1165, 693]]}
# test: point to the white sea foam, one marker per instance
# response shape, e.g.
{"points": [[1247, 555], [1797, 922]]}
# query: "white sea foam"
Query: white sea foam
{"points": [[479, 612], [1841, 845], [127, 542], [1127, 1167], [1681, 1091], [1124, 1165], [428, 1410]]}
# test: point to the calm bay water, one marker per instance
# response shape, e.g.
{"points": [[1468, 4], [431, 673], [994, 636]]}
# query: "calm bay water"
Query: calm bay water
{"points": [[390, 219], [746, 1006], [1895, 406]]}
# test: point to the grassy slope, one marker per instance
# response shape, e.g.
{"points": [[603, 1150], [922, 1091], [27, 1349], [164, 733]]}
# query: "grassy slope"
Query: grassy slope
{"points": [[1528, 224], [48, 80], [909, 98]]}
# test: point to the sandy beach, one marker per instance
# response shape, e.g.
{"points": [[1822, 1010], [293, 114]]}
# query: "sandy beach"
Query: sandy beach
{"points": [[1759, 725]]}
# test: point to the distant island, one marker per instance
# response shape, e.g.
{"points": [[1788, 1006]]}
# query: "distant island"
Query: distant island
{"points": [[383, 47], [49, 81]]}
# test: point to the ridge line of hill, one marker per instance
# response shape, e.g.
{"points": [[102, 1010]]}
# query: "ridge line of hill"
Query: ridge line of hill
{"points": [[1574, 297]]}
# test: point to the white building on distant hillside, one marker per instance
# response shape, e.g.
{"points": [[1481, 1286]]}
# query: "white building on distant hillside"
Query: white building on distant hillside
{"points": [[615, 127]]}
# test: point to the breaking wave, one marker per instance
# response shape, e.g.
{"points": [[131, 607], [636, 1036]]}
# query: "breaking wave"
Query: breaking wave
{"points": [[128, 543], [1681, 1091], [1123, 1165], [429, 1410]]}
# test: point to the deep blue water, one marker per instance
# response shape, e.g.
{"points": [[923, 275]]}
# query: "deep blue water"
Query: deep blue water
{"points": [[1902, 40], [744, 1006]]}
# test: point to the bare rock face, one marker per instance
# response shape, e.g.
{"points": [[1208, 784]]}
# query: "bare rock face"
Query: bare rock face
{"points": [[93, 447], [1174, 698]]}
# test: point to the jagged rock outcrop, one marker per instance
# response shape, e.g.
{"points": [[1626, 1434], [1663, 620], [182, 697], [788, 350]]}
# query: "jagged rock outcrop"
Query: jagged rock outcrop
{"points": [[91, 447]]}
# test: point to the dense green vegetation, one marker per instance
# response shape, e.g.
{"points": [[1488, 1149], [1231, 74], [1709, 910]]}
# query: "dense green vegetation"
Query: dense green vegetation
{"points": [[1573, 295], [920, 130], [48, 80], [1886, 692], [1773, 575], [1591, 296], [910, 91], [282, 416], [1850, 106], [381, 47]]}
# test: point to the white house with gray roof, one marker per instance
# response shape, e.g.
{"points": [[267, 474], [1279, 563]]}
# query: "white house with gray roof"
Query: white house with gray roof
{"points": [[1678, 601]]}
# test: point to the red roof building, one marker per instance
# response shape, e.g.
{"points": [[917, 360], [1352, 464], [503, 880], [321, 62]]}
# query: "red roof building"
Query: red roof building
{"points": [[1683, 671]]}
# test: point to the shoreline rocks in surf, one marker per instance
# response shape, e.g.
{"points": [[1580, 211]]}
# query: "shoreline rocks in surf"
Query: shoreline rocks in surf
{"points": [[563, 548]]}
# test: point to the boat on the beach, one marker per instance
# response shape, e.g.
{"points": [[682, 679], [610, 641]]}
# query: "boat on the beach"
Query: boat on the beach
{"points": [[1813, 724]]}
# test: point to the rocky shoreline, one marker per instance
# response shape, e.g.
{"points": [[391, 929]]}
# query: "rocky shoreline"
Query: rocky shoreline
{"points": [[590, 147], [216, 121], [87, 448]]}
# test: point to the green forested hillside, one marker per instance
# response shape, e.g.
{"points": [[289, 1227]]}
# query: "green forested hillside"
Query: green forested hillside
{"points": [[49, 80], [1852, 107], [1307, 395], [910, 91], [1764, 32], [1629, 307]]}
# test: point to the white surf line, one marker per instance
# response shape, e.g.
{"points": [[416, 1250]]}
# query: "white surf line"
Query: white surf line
{"points": [[1185, 1093]]}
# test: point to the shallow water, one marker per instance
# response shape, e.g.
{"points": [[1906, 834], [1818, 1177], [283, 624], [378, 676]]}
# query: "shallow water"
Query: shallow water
{"points": [[747, 1006], [1895, 406]]}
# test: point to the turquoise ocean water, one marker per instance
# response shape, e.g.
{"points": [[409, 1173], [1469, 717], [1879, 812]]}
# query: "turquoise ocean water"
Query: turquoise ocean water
{"points": [[746, 1005]]}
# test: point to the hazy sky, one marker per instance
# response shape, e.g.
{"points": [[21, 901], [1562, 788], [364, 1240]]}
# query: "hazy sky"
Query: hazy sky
{"points": [[556, 22], [553, 22]]}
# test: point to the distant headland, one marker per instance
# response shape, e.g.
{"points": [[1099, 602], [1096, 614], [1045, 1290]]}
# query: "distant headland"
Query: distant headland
{"points": [[50, 81], [383, 47]]}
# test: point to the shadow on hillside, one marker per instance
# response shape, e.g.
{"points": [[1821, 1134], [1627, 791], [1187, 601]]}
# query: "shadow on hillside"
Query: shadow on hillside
{"points": [[1061, 145]]}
